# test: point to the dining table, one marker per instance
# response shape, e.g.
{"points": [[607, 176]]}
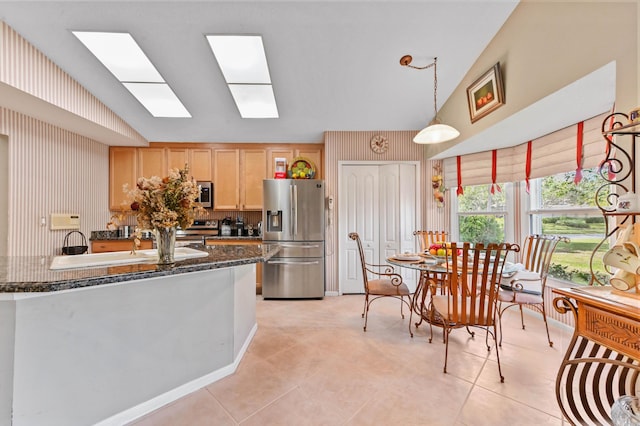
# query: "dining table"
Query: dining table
{"points": [[429, 268]]}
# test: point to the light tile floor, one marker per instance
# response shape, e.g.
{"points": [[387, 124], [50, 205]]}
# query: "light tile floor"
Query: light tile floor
{"points": [[310, 363]]}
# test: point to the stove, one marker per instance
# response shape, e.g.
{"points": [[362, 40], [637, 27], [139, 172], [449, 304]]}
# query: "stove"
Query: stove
{"points": [[198, 231]]}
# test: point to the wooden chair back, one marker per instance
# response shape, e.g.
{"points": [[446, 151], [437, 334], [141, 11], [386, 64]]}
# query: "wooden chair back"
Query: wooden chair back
{"points": [[537, 252], [363, 263], [427, 238], [474, 282]]}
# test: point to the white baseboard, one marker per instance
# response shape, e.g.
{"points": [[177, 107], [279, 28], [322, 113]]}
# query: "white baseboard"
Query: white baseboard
{"points": [[159, 401], [331, 293]]}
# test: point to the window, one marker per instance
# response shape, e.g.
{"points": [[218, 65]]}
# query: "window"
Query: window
{"points": [[482, 216], [558, 206], [554, 205]]}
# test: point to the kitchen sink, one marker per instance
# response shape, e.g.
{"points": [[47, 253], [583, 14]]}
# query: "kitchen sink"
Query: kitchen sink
{"points": [[120, 258]]}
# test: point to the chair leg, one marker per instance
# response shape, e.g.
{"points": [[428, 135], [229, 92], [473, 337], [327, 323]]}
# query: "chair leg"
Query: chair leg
{"points": [[365, 314], [497, 353], [472, 333], [546, 325], [446, 332], [499, 310], [521, 316], [366, 302], [401, 306]]}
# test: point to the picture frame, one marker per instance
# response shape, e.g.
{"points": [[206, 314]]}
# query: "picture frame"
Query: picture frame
{"points": [[486, 94]]}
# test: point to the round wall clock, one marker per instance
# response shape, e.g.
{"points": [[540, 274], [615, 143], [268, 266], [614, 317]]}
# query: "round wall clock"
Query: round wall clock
{"points": [[379, 144]]}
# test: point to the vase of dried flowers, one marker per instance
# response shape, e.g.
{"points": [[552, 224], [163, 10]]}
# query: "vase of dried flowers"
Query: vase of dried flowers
{"points": [[163, 204], [166, 243]]}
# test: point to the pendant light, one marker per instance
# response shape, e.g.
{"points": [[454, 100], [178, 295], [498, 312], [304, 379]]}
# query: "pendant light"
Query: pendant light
{"points": [[435, 132]]}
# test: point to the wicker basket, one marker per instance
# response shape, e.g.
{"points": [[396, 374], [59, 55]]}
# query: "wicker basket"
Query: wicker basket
{"points": [[71, 250]]}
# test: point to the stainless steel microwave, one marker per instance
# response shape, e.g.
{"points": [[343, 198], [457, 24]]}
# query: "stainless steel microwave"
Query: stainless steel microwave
{"points": [[206, 194]]}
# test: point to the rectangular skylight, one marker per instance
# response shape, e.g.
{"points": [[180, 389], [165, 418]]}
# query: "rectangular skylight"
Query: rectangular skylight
{"points": [[120, 53], [243, 63], [241, 58], [124, 58], [158, 99], [254, 101]]}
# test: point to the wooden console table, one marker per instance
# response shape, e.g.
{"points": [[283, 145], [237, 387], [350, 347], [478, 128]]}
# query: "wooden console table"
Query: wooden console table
{"points": [[602, 361]]}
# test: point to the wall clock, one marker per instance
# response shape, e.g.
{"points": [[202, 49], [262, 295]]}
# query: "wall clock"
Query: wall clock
{"points": [[379, 144]]}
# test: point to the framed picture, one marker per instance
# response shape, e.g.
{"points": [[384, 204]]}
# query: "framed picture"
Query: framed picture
{"points": [[486, 93]]}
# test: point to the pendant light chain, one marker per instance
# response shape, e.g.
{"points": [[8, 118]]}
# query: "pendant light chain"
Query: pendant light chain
{"points": [[435, 87], [435, 132]]}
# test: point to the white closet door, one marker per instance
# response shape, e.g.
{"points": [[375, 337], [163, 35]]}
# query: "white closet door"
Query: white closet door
{"points": [[358, 202], [379, 202]]}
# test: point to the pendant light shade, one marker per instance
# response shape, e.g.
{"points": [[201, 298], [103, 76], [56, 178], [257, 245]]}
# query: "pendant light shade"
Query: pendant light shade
{"points": [[435, 132]]}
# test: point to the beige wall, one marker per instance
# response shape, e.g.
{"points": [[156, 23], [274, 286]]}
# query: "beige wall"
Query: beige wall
{"points": [[4, 194], [51, 170], [543, 47]]}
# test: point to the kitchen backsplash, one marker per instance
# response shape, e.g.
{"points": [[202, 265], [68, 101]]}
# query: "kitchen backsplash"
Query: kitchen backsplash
{"points": [[250, 217]]}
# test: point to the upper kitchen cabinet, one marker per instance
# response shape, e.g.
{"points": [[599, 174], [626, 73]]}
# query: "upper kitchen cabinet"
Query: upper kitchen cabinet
{"points": [[152, 162], [201, 164], [226, 179], [199, 160], [123, 169], [310, 152], [238, 176], [253, 170]]}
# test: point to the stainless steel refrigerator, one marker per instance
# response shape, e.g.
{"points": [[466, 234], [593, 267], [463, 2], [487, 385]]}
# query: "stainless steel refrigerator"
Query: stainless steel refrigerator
{"points": [[293, 218]]}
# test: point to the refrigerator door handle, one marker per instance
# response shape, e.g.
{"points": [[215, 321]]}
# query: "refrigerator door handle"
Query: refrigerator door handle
{"points": [[306, 246], [295, 210], [292, 210], [284, 262]]}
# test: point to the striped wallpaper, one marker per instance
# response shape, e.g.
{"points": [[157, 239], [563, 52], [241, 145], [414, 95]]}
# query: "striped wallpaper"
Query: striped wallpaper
{"points": [[51, 170], [26, 68], [354, 146]]}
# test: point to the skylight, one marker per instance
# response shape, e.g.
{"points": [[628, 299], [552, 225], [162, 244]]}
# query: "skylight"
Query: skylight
{"points": [[122, 56], [243, 63]]}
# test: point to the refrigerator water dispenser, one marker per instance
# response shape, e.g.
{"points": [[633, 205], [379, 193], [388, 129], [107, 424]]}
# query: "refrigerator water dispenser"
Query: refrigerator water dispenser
{"points": [[274, 221]]}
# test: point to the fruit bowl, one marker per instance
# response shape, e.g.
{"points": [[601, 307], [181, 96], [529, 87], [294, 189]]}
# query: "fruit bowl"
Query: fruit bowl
{"points": [[301, 168]]}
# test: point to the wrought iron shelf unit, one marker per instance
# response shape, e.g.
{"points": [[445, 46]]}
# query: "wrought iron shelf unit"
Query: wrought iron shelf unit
{"points": [[618, 171]]}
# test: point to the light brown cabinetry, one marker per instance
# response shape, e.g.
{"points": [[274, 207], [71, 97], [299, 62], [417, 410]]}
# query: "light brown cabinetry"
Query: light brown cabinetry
{"points": [[123, 169], [102, 246], [226, 178], [237, 170], [152, 162], [253, 170], [312, 152], [199, 161]]}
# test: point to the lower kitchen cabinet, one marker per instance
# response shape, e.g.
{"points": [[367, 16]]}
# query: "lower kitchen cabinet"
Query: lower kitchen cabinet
{"points": [[102, 246], [229, 242]]}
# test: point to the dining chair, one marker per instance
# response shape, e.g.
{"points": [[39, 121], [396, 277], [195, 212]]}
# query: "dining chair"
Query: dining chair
{"points": [[386, 284], [428, 238], [472, 292], [525, 287]]}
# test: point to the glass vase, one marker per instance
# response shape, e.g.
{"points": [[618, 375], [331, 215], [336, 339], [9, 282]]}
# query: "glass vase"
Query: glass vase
{"points": [[626, 411], [166, 244]]}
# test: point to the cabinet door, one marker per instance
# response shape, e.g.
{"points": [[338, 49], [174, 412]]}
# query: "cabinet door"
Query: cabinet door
{"points": [[177, 158], [123, 163], [102, 246], [151, 162], [277, 153], [200, 164], [254, 169], [226, 179], [313, 154]]}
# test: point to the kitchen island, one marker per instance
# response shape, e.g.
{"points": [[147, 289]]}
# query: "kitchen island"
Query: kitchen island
{"points": [[105, 345]]}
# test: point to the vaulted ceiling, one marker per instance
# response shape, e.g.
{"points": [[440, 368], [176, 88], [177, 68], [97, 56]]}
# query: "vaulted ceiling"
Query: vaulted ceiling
{"points": [[334, 65]]}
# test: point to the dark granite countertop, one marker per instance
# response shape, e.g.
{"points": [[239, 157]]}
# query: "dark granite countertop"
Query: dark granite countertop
{"points": [[28, 274]]}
